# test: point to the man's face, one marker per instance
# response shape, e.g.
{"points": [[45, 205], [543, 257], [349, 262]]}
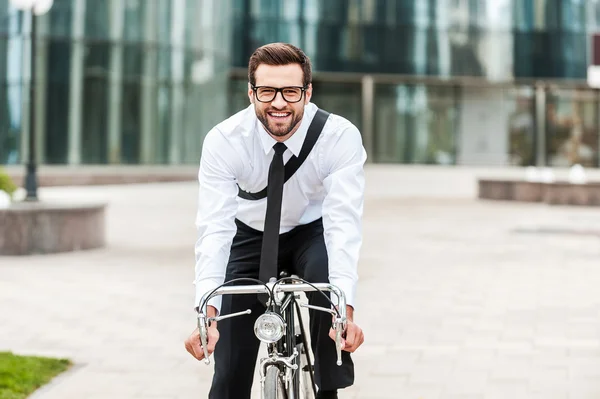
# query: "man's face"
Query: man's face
{"points": [[280, 118]]}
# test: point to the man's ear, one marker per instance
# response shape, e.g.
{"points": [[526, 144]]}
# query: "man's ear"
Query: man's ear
{"points": [[308, 94], [250, 93]]}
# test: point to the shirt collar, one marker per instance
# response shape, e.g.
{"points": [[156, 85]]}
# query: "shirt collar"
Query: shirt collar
{"points": [[295, 142]]}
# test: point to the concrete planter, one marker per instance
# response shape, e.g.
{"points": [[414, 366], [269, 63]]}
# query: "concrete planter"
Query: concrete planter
{"points": [[555, 193], [42, 228], [508, 190], [573, 194]]}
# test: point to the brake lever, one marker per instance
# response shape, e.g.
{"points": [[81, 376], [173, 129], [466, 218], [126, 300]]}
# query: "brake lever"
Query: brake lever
{"points": [[203, 336], [339, 327], [230, 315], [203, 322], [339, 324], [322, 309]]}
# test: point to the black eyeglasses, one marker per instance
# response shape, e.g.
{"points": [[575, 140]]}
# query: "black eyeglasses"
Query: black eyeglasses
{"points": [[266, 94]]}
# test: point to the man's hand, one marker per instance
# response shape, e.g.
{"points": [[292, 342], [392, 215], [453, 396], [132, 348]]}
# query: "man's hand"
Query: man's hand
{"points": [[193, 344], [353, 336]]}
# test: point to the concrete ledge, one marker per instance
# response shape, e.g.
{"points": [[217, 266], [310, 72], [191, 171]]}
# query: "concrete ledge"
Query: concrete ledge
{"points": [[555, 193], [51, 176], [42, 228], [573, 194]]}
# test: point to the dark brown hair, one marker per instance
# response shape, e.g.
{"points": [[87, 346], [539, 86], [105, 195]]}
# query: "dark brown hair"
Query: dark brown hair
{"points": [[279, 54]]}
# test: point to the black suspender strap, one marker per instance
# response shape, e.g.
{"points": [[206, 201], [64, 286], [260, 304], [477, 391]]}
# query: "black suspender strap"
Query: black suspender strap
{"points": [[314, 130]]}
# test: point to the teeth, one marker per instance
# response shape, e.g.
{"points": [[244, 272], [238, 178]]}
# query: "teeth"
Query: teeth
{"points": [[279, 114]]}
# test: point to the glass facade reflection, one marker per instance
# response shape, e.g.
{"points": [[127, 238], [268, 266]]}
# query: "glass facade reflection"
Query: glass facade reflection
{"points": [[414, 123], [498, 40], [572, 127], [471, 82], [118, 81]]}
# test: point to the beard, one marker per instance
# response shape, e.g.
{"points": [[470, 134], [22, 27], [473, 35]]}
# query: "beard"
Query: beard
{"points": [[276, 128]]}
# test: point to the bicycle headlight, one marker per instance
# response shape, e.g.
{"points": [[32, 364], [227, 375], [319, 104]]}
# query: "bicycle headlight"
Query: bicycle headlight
{"points": [[269, 327]]}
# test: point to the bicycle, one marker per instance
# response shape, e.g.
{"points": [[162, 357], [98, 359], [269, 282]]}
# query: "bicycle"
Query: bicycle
{"points": [[287, 371]]}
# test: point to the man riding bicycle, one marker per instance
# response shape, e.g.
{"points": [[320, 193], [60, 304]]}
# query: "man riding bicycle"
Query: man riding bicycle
{"points": [[281, 187]]}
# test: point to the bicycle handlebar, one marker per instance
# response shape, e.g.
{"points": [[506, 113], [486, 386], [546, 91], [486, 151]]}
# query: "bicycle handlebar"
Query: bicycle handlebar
{"points": [[339, 324]]}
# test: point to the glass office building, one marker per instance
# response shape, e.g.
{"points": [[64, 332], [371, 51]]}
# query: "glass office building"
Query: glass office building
{"points": [[460, 82], [472, 82], [117, 81]]}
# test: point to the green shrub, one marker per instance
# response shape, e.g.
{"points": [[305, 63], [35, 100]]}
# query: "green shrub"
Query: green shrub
{"points": [[6, 183]]}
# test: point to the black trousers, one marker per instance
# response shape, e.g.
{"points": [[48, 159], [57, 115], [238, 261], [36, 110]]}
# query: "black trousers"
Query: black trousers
{"points": [[302, 252]]}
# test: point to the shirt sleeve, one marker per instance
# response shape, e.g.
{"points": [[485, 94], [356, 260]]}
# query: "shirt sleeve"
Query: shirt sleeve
{"points": [[343, 208], [215, 218]]}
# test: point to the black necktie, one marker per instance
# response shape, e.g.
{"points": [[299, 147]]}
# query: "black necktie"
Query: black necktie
{"points": [[270, 241]]}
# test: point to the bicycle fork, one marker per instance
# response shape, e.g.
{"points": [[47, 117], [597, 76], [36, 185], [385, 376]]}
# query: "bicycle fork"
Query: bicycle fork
{"points": [[287, 362]]}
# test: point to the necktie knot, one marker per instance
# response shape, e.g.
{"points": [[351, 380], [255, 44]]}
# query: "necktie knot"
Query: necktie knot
{"points": [[279, 148]]}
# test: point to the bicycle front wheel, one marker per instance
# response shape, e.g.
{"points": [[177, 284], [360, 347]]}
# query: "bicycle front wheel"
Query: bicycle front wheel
{"points": [[273, 386]]}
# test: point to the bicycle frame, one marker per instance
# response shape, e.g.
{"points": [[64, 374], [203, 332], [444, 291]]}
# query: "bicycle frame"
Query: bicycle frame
{"points": [[283, 297], [289, 309]]}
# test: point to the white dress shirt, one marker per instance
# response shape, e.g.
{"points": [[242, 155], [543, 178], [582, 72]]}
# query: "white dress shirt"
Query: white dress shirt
{"points": [[329, 184]]}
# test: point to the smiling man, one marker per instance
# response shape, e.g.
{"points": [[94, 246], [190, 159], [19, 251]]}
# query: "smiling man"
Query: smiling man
{"points": [[252, 222]]}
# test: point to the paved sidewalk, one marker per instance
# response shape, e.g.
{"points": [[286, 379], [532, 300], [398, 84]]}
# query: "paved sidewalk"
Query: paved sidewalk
{"points": [[458, 298]]}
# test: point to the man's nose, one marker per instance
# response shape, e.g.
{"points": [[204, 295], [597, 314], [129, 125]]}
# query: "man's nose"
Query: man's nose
{"points": [[278, 101]]}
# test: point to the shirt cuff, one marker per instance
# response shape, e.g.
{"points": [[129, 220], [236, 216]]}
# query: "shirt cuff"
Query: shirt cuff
{"points": [[205, 287], [348, 287]]}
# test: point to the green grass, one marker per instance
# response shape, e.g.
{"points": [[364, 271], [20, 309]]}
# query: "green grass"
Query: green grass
{"points": [[21, 375]]}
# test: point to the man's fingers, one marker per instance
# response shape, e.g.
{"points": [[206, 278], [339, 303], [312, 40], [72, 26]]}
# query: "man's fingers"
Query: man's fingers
{"points": [[198, 352], [193, 346], [194, 349], [188, 348], [350, 337], [213, 337], [332, 336], [358, 341], [210, 347], [354, 337]]}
